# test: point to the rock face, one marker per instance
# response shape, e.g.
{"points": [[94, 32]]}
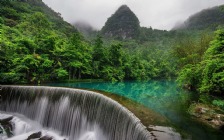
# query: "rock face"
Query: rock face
{"points": [[122, 25]]}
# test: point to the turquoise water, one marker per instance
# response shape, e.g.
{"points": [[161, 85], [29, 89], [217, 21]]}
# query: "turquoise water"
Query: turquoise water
{"points": [[163, 97]]}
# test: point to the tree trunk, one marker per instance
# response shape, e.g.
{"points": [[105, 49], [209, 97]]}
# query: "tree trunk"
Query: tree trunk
{"points": [[69, 74], [79, 74], [74, 73]]}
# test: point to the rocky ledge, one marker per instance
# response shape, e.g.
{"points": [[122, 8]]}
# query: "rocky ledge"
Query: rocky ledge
{"points": [[208, 115], [163, 133]]}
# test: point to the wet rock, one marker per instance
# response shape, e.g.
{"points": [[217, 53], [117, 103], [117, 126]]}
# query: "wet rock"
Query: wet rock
{"points": [[34, 136], [46, 138], [6, 125], [5, 119], [163, 133]]}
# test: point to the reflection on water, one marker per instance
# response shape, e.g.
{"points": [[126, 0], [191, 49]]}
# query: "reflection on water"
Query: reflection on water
{"points": [[161, 96]]}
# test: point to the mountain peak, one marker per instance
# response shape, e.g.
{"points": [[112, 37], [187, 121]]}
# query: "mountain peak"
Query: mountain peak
{"points": [[123, 7], [123, 24]]}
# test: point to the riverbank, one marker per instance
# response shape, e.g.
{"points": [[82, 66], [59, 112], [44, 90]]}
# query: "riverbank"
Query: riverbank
{"points": [[208, 114]]}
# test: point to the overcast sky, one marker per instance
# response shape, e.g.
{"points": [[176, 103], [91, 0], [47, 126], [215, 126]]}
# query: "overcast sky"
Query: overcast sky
{"points": [[159, 14]]}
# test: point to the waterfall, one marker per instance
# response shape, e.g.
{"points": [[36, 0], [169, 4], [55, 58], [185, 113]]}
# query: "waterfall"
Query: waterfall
{"points": [[74, 113]]}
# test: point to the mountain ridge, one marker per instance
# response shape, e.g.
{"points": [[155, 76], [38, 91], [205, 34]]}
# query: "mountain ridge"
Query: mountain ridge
{"points": [[209, 18], [123, 24]]}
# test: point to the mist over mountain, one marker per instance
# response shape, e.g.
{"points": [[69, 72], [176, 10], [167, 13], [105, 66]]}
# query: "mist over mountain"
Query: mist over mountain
{"points": [[123, 24], [85, 28], [206, 19]]}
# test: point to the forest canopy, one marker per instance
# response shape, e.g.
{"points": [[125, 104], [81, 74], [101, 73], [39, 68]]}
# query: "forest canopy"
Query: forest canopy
{"points": [[37, 45]]}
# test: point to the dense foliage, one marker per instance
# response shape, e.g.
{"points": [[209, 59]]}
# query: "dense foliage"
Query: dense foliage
{"points": [[31, 41], [36, 46], [207, 75]]}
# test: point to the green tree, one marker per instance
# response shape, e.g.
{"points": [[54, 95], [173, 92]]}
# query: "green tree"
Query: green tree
{"points": [[208, 75], [114, 70], [99, 57], [213, 66]]}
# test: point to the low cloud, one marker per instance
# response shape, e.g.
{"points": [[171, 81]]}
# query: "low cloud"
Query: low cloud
{"points": [[159, 14]]}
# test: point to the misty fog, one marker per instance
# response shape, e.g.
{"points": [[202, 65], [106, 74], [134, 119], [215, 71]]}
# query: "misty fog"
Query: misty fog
{"points": [[160, 14]]}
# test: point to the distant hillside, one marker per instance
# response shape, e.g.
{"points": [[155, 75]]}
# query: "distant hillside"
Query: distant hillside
{"points": [[54, 17], [13, 12], [206, 19], [122, 25]]}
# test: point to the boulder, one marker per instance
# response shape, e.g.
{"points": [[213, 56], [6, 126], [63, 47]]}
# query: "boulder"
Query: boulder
{"points": [[34, 136], [5, 119]]}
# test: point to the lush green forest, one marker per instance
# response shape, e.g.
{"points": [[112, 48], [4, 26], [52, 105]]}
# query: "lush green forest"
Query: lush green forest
{"points": [[37, 46]]}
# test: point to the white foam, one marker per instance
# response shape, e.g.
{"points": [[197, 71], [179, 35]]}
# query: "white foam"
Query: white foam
{"points": [[24, 127]]}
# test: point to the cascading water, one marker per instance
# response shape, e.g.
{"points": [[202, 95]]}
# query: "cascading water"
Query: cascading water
{"points": [[73, 113]]}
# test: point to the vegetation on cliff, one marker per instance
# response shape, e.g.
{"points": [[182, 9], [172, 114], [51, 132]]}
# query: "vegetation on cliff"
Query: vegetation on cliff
{"points": [[123, 24], [206, 19]]}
